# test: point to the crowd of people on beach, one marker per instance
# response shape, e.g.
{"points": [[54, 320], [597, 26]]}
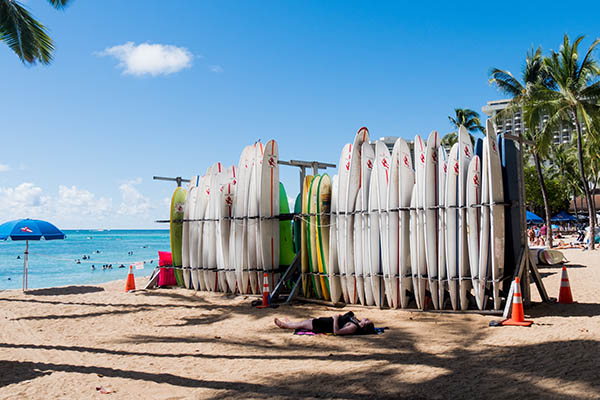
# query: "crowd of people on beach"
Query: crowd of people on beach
{"points": [[537, 236]]}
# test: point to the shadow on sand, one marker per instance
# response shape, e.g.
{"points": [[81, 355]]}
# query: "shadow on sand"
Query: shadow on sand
{"points": [[384, 372], [60, 291]]}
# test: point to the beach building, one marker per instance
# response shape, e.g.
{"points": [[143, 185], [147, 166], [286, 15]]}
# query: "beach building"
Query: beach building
{"points": [[390, 140], [514, 124]]}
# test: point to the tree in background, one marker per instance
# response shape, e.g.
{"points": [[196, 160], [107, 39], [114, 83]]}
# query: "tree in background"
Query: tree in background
{"points": [[564, 164], [26, 36], [559, 193], [466, 117], [523, 93], [574, 96]]}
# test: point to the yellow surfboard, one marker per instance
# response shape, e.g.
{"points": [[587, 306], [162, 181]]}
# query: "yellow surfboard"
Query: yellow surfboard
{"points": [[313, 261], [323, 206], [304, 238]]}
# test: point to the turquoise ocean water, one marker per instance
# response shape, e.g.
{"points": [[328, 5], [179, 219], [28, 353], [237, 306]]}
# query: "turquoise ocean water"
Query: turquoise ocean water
{"points": [[53, 262]]}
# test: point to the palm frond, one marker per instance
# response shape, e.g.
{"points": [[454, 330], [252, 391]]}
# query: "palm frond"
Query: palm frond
{"points": [[26, 36], [59, 4], [505, 82]]}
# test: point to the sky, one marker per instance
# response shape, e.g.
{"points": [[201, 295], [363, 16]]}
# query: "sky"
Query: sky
{"points": [[143, 88]]}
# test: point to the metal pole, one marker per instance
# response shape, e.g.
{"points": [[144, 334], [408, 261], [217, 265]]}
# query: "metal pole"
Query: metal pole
{"points": [[25, 266]]}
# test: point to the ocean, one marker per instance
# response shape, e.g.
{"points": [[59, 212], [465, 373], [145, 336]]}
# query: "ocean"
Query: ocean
{"points": [[54, 262]]}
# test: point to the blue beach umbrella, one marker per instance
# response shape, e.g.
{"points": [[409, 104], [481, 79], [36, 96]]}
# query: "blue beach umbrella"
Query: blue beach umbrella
{"points": [[533, 219], [29, 229]]}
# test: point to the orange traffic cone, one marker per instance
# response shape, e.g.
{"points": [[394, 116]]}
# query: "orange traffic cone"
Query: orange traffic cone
{"points": [[517, 316], [565, 296], [130, 285], [265, 300]]}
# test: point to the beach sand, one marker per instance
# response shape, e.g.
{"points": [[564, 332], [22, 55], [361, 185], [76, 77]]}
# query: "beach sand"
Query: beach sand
{"points": [[64, 343]]}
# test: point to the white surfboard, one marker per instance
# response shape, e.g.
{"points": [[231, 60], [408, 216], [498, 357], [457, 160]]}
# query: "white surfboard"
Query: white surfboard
{"points": [[238, 253], [374, 248], [382, 174], [198, 266], [335, 289], [473, 220], [343, 175], [357, 234], [187, 235], [210, 229], [496, 213], [442, 271], [225, 212], [420, 158], [431, 196], [484, 237], [254, 263], [189, 277], [406, 175], [269, 208], [195, 237], [351, 191], [452, 226], [465, 154], [414, 258], [367, 162], [393, 225]]}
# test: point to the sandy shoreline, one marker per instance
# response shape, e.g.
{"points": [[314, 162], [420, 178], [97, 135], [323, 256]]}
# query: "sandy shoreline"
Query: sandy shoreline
{"points": [[174, 344]]}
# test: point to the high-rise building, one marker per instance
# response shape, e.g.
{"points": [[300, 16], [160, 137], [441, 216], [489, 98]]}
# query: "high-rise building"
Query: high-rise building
{"points": [[513, 123]]}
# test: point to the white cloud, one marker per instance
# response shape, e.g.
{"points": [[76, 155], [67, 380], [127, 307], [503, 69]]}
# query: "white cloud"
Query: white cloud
{"points": [[150, 59], [216, 68], [132, 201], [25, 200], [4, 168], [81, 202]]}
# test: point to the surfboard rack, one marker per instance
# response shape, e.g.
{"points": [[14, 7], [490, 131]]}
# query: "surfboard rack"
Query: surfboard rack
{"points": [[177, 179], [289, 274], [526, 266], [303, 165]]}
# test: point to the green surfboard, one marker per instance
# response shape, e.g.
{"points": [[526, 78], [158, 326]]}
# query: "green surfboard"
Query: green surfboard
{"points": [[286, 245], [176, 230], [297, 223]]}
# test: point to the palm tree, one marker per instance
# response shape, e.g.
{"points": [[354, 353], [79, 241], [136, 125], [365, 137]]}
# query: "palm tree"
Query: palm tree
{"points": [[574, 97], [468, 118], [26, 36], [522, 94], [564, 163]]}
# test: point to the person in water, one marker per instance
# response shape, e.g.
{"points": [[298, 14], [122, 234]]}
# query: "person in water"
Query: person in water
{"points": [[346, 324]]}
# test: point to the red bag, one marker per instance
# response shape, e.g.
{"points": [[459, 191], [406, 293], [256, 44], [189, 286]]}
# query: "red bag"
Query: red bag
{"points": [[166, 276]]}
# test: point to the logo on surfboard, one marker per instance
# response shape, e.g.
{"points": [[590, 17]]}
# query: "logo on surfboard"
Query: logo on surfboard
{"points": [[405, 160], [385, 164], [476, 180], [467, 152], [272, 162], [370, 164], [456, 168], [422, 158]]}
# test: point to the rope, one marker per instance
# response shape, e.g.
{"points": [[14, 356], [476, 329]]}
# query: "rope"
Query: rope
{"points": [[303, 216]]}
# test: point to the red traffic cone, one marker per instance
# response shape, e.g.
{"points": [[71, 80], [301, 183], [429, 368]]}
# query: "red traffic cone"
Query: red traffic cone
{"points": [[130, 285], [265, 300], [565, 296], [517, 316]]}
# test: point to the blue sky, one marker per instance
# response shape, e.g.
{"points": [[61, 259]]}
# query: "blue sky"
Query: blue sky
{"points": [[82, 138]]}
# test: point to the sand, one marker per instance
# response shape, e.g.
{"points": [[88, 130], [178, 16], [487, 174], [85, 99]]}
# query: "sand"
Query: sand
{"points": [[64, 343]]}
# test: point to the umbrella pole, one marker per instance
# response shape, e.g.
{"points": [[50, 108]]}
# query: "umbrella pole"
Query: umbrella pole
{"points": [[25, 266]]}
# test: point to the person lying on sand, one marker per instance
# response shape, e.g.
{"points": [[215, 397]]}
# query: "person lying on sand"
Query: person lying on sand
{"points": [[346, 324]]}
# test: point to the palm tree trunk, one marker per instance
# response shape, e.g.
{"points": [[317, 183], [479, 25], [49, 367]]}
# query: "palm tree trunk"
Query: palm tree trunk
{"points": [[586, 187], [538, 168], [575, 203]]}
